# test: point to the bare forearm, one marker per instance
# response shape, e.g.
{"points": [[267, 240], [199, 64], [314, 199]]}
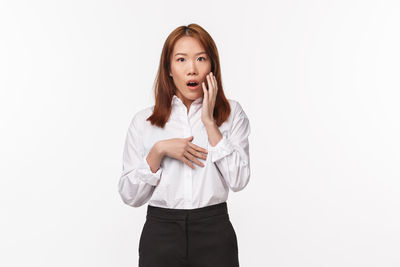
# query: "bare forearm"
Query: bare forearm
{"points": [[213, 132], [155, 157]]}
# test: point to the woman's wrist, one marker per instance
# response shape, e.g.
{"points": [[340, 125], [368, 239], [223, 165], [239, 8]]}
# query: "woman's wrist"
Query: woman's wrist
{"points": [[160, 148], [155, 157]]}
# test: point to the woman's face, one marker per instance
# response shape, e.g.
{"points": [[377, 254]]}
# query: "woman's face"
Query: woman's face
{"points": [[189, 62]]}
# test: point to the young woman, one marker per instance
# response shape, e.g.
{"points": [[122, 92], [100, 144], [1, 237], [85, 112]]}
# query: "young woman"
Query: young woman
{"points": [[183, 154]]}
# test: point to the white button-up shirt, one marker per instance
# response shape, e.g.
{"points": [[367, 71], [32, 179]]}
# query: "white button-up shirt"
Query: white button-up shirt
{"points": [[175, 184]]}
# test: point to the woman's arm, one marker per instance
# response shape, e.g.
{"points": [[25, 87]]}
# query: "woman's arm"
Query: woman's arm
{"points": [[140, 172], [231, 154], [155, 157]]}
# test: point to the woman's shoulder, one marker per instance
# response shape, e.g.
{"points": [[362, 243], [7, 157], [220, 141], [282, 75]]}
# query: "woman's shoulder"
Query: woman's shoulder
{"points": [[140, 116], [236, 108]]}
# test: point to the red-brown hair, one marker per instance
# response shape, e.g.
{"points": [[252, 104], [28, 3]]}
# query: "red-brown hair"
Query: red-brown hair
{"points": [[164, 87]]}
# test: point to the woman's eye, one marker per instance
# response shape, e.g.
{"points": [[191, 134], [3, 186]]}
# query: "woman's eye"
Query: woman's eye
{"points": [[179, 59]]}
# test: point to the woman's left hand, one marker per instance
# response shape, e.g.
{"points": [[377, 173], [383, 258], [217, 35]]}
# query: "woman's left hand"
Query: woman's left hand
{"points": [[209, 97]]}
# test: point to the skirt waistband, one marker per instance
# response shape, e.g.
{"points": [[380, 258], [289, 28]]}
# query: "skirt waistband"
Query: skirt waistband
{"points": [[187, 214]]}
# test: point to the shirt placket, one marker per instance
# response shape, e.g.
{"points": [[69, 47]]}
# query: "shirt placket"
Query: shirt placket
{"points": [[188, 182]]}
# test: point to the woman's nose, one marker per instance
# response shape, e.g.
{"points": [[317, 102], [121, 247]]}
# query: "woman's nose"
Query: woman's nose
{"points": [[192, 68]]}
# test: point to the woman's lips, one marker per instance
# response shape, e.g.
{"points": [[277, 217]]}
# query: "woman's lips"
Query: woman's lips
{"points": [[193, 87]]}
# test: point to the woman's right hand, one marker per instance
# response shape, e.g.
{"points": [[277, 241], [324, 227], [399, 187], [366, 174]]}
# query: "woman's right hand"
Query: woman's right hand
{"points": [[184, 150]]}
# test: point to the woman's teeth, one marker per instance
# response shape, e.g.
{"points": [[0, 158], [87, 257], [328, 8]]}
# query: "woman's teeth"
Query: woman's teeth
{"points": [[193, 85]]}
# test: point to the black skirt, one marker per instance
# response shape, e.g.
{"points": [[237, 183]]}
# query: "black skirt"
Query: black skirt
{"points": [[188, 237]]}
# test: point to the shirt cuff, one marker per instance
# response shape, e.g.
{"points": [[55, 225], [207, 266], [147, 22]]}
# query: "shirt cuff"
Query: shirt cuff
{"points": [[223, 148], [144, 173]]}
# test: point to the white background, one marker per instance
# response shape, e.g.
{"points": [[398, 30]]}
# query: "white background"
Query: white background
{"points": [[319, 81]]}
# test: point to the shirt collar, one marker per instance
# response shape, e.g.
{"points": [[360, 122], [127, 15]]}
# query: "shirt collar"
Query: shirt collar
{"points": [[176, 100]]}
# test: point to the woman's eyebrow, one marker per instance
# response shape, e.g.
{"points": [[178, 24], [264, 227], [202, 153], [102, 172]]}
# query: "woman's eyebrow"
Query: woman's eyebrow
{"points": [[186, 54]]}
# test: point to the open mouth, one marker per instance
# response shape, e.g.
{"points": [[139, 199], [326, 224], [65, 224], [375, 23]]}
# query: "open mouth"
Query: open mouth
{"points": [[192, 84]]}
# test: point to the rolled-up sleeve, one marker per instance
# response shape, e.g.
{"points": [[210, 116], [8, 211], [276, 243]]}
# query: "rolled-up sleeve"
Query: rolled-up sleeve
{"points": [[137, 181], [231, 153]]}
